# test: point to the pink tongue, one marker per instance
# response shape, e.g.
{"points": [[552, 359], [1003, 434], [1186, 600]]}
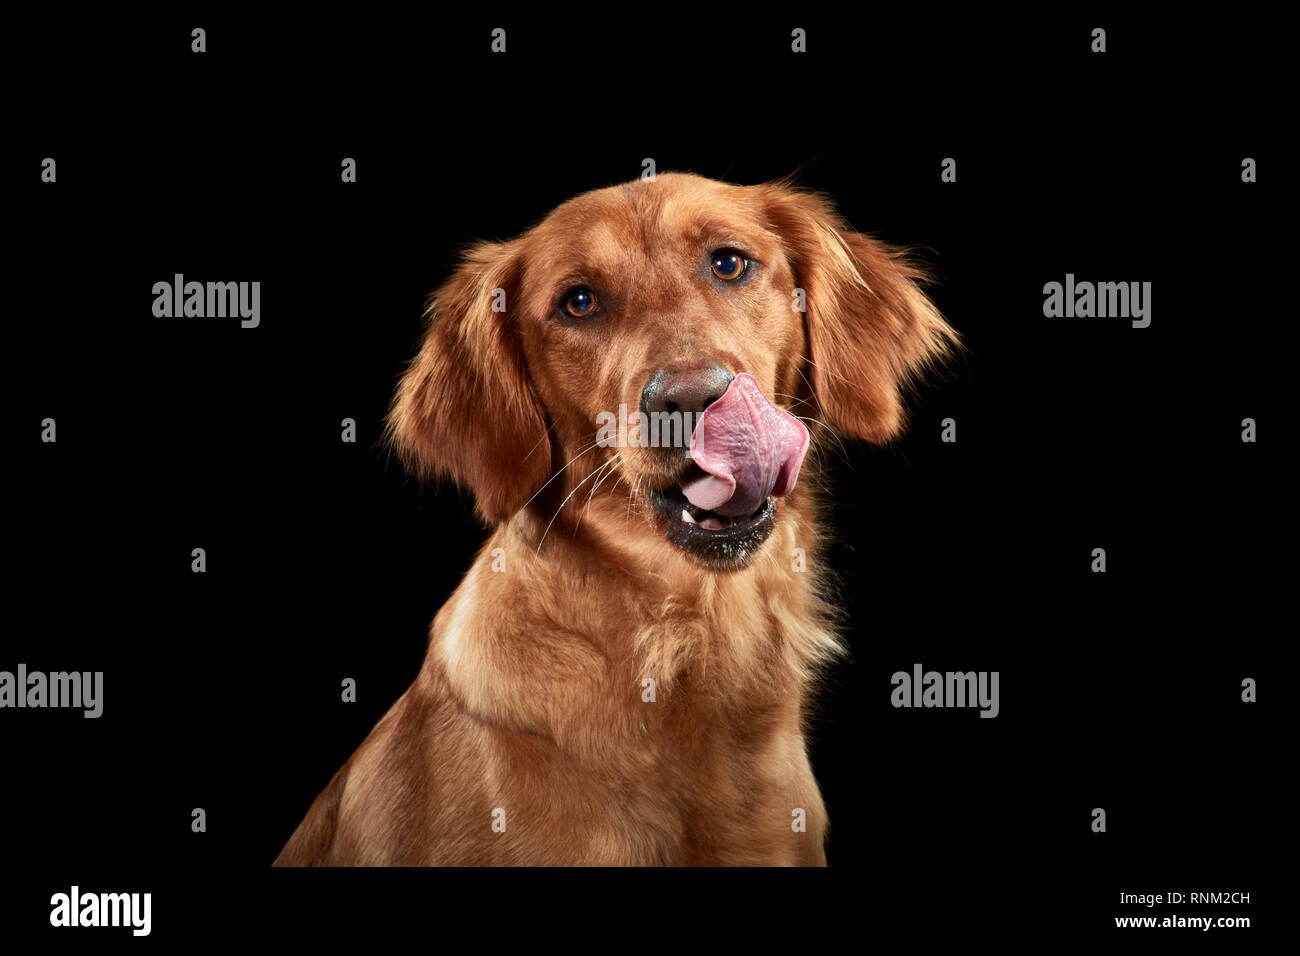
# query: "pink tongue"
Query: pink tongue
{"points": [[748, 449]]}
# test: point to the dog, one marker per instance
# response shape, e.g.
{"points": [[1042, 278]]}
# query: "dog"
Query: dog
{"points": [[625, 674]]}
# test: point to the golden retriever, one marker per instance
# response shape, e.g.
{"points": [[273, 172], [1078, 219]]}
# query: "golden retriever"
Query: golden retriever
{"points": [[624, 674]]}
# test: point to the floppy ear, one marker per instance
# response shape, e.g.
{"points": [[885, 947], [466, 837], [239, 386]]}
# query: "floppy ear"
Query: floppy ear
{"points": [[871, 331], [465, 407]]}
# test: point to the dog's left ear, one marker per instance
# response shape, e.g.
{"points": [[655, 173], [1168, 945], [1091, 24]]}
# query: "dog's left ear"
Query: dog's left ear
{"points": [[466, 408], [871, 330]]}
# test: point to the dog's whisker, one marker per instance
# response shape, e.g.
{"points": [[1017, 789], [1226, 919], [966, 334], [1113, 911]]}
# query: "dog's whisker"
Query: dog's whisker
{"points": [[827, 371], [611, 471], [545, 435], [607, 468], [561, 508], [795, 399], [826, 429], [559, 471], [631, 500]]}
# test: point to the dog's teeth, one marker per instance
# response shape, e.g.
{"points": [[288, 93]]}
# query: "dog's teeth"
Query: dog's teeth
{"points": [[686, 516]]}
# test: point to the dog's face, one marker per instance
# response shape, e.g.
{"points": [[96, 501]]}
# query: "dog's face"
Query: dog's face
{"points": [[651, 298]]}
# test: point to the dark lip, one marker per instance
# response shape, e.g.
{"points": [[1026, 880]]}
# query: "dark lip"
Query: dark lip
{"points": [[727, 549]]}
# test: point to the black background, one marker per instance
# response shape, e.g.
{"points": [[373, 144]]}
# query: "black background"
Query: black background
{"points": [[1119, 690]]}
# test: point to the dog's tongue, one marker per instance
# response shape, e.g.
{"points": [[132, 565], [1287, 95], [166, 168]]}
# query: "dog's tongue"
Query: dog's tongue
{"points": [[748, 449]]}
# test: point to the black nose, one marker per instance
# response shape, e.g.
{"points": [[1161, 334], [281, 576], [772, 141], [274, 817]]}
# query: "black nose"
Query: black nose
{"points": [[684, 390]]}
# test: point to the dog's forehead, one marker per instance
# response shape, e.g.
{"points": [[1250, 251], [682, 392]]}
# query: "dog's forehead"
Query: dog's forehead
{"points": [[672, 212]]}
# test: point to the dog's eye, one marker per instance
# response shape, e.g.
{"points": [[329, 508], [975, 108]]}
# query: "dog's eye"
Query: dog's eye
{"points": [[580, 302], [728, 264]]}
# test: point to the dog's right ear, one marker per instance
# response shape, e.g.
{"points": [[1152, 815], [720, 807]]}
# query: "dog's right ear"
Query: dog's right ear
{"points": [[465, 407]]}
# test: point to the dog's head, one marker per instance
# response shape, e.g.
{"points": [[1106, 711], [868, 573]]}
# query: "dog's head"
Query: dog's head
{"points": [[574, 363]]}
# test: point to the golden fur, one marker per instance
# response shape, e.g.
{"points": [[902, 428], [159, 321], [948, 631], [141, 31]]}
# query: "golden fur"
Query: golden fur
{"points": [[530, 700]]}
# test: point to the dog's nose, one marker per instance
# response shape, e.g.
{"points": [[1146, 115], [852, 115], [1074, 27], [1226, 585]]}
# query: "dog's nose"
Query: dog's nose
{"points": [[684, 390]]}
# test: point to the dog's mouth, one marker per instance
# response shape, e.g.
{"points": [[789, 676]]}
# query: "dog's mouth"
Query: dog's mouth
{"points": [[746, 453], [718, 541]]}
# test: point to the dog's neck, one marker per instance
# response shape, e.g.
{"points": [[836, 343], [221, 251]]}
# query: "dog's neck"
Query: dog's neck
{"points": [[602, 607]]}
